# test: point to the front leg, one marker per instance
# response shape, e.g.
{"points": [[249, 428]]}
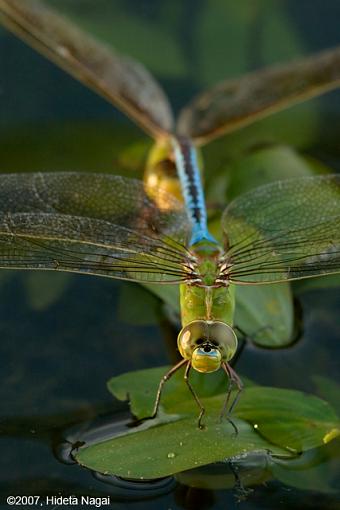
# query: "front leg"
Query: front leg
{"points": [[164, 379]]}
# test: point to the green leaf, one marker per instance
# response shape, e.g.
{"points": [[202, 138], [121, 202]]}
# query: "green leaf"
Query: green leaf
{"points": [[170, 448], [140, 389], [266, 165], [266, 314], [289, 418], [277, 420]]}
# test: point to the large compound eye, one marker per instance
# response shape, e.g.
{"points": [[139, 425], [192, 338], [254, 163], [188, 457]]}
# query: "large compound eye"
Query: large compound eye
{"points": [[224, 337], [216, 334], [191, 336]]}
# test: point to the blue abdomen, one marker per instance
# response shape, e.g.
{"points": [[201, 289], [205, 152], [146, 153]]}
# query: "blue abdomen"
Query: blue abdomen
{"points": [[191, 185]]}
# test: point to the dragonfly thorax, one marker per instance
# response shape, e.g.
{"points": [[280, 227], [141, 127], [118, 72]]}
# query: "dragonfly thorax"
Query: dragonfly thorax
{"points": [[207, 344]]}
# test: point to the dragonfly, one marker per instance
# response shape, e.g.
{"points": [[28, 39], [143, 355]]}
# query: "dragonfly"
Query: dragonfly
{"points": [[111, 226]]}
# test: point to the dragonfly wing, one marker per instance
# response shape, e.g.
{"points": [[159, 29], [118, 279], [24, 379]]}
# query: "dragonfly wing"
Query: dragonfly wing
{"points": [[232, 104], [98, 224], [284, 231], [121, 80]]}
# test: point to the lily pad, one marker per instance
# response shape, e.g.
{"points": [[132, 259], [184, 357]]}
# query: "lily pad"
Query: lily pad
{"points": [[290, 418], [280, 421], [170, 448]]}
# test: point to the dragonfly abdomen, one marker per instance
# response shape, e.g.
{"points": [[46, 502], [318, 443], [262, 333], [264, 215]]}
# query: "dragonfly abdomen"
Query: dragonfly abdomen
{"points": [[191, 185]]}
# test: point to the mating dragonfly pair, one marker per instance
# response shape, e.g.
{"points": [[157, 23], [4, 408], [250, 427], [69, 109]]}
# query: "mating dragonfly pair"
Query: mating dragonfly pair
{"points": [[121, 228]]}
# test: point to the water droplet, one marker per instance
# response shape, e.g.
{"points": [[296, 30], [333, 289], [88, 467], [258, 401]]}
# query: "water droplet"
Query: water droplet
{"points": [[256, 426], [171, 455]]}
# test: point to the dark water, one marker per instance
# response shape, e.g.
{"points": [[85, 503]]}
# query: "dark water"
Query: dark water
{"points": [[62, 337]]}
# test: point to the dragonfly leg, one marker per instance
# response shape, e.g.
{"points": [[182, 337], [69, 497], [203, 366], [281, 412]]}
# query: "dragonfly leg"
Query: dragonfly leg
{"points": [[164, 379], [227, 398], [233, 379], [199, 403]]}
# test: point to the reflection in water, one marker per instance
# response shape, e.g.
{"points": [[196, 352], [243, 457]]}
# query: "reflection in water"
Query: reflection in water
{"points": [[101, 429], [138, 489]]}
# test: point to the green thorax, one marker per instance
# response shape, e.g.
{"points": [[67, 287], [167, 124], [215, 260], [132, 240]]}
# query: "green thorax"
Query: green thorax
{"points": [[207, 301]]}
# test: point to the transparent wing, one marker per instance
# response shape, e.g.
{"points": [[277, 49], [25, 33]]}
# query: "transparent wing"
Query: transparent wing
{"points": [[121, 80], [97, 224], [284, 231], [232, 104]]}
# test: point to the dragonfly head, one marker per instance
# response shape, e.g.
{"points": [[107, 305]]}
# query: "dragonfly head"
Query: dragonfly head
{"points": [[207, 344]]}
